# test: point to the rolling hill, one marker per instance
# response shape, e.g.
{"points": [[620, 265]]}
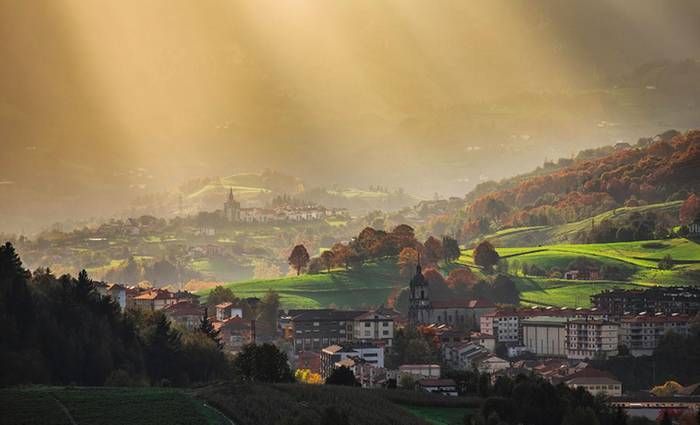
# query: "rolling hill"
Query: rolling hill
{"points": [[563, 233], [374, 282]]}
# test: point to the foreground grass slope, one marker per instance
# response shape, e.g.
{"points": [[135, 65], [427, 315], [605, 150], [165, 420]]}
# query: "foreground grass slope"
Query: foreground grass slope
{"points": [[307, 404], [104, 406]]}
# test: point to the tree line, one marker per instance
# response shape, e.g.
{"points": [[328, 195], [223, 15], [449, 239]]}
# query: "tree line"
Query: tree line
{"points": [[61, 331]]}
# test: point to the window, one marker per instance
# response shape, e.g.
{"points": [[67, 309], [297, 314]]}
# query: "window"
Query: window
{"points": [[368, 324], [385, 324], [316, 324], [385, 333]]}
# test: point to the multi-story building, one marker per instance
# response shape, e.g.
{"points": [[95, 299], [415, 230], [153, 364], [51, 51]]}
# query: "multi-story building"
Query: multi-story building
{"points": [[587, 339], [504, 325], [659, 299], [641, 333], [368, 353], [314, 329], [374, 327], [545, 336]]}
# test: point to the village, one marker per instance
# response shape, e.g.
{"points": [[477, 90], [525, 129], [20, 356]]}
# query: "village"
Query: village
{"points": [[556, 344]]}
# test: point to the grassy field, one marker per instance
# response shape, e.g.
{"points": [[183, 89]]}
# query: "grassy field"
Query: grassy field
{"points": [[637, 260], [374, 282], [370, 285], [441, 415], [104, 406]]}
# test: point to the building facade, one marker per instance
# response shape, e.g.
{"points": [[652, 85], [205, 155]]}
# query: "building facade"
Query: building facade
{"points": [[641, 333], [545, 336], [368, 353], [588, 339], [659, 299], [375, 328], [313, 330]]}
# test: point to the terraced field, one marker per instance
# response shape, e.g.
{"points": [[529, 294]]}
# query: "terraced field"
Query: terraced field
{"points": [[104, 406]]}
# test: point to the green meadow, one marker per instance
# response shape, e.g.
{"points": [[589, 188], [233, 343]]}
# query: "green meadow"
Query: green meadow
{"points": [[374, 282]]}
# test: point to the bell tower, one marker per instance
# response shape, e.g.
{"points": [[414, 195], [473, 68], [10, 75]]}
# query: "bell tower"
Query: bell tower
{"points": [[418, 299]]}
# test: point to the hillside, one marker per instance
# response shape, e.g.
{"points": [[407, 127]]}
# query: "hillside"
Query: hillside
{"points": [[633, 264], [308, 404], [369, 285], [630, 264], [658, 170], [570, 232], [214, 405], [104, 406]]}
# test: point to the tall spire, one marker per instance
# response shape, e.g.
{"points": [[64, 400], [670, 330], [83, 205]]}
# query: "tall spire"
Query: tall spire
{"points": [[230, 195]]}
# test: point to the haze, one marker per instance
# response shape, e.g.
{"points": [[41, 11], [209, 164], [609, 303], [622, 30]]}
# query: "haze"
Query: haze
{"points": [[102, 101]]}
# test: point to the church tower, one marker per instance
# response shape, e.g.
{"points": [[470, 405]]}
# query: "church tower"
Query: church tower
{"points": [[232, 208], [418, 299]]}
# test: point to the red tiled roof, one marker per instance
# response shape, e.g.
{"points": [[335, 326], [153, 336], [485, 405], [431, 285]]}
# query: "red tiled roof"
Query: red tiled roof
{"points": [[155, 295], [184, 309]]}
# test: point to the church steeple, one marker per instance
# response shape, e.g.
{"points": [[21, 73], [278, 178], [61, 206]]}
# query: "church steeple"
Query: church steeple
{"points": [[419, 308], [230, 195]]}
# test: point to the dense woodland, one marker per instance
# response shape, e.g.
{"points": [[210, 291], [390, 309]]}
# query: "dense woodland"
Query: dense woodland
{"points": [[60, 330]]}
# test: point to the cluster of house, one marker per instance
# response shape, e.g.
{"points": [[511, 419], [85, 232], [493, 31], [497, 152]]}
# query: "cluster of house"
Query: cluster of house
{"points": [[184, 309], [233, 212]]}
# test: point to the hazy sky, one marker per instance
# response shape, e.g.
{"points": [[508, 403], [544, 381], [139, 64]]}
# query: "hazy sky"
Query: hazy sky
{"points": [[332, 91]]}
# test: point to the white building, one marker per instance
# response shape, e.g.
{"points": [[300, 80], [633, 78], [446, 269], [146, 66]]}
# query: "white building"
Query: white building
{"points": [[545, 336], [504, 325], [597, 385], [333, 354], [587, 339]]}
